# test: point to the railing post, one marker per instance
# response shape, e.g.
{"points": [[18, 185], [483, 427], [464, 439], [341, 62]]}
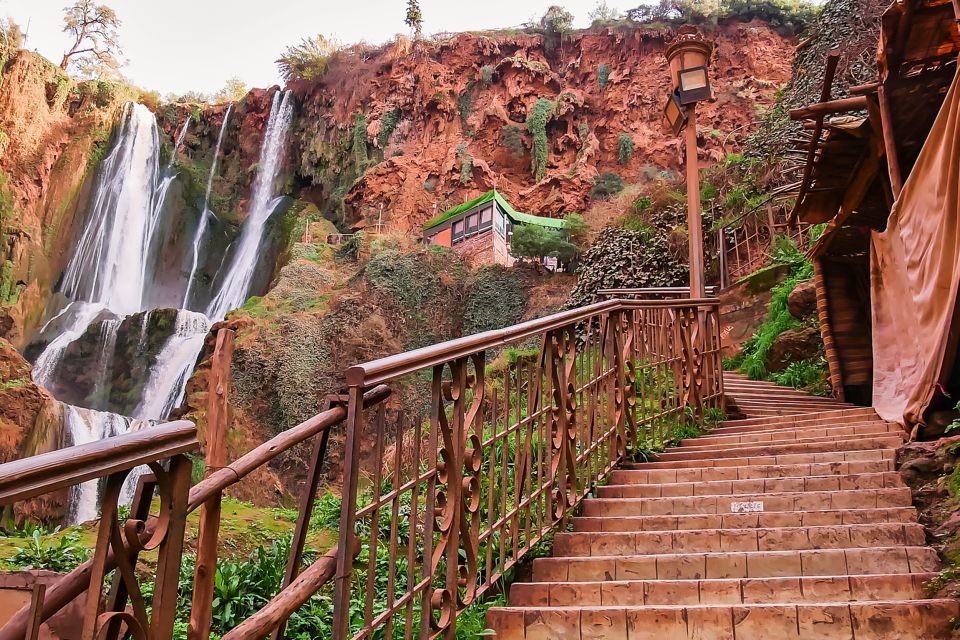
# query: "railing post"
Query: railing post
{"points": [[722, 253], [348, 512], [171, 549], [217, 423]]}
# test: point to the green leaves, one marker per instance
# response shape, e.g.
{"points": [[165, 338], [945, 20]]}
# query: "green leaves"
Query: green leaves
{"points": [[61, 554]]}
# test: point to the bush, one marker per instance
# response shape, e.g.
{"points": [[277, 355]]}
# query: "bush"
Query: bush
{"points": [[512, 138], [494, 299], [360, 157], [61, 555], [603, 75], [625, 148], [308, 60], [606, 185], [537, 126], [388, 124], [486, 73], [534, 241]]}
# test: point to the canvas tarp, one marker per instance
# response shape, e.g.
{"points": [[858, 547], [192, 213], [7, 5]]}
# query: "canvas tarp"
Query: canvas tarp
{"points": [[914, 275]]}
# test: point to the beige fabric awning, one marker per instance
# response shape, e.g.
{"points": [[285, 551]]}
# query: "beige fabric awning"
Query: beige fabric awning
{"points": [[914, 274]]}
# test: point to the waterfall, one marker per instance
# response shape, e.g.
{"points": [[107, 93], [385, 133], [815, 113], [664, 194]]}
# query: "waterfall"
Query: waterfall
{"points": [[83, 426], [77, 316], [168, 379], [236, 285], [205, 213], [109, 266], [179, 142], [104, 367]]}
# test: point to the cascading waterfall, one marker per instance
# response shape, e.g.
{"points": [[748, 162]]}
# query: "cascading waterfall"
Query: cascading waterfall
{"points": [[236, 285], [110, 271], [205, 213]]}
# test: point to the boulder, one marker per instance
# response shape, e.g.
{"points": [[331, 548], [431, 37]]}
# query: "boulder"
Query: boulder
{"points": [[802, 302], [793, 345]]}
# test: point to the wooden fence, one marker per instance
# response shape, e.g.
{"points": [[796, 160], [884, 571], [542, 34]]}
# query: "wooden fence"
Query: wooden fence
{"points": [[498, 438]]}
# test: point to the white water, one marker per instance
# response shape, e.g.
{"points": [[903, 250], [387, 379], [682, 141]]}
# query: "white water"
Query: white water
{"points": [[109, 266], [83, 426], [236, 285], [205, 213], [168, 379], [110, 270]]}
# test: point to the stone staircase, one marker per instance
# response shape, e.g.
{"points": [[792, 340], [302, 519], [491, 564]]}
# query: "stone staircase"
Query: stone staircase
{"points": [[771, 527], [753, 398]]}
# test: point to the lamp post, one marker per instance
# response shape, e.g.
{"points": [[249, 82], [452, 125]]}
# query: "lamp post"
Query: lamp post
{"points": [[689, 56]]}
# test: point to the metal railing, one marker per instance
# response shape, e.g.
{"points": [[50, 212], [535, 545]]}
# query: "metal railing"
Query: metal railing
{"points": [[744, 244], [460, 458]]}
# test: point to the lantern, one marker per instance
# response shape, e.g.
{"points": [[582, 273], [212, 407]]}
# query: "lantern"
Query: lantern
{"points": [[689, 58], [675, 114]]}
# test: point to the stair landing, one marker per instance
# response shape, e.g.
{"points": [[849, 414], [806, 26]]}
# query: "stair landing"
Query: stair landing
{"points": [[770, 527]]}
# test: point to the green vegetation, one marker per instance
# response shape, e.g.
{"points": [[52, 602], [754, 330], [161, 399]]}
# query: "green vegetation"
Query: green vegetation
{"points": [[535, 241], [512, 138], [486, 73], [603, 75], [308, 60], [61, 554], [625, 147], [388, 124], [537, 126], [465, 106], [414, 18], [790, 16], [553, 24], [495, 299], [360, 158], [607, 184]]}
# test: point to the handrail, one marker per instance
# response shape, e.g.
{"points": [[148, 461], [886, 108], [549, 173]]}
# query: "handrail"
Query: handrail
{"points": [[384, 369], [47, 472], [651, 291]]}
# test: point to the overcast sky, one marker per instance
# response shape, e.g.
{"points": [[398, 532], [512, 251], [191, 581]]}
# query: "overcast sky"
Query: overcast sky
{"points": [[182, 45]]}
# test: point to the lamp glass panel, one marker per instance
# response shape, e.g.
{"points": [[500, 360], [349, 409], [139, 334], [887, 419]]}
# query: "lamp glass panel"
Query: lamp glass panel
{"points": [[673, 113], [691, 79]]}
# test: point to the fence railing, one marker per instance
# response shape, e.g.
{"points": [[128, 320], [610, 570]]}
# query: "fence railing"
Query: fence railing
{"points": [[460, 458], [744, 244]]}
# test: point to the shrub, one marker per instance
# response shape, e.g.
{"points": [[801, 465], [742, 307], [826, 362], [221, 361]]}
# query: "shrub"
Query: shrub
{"points": [[603, 75], [466, 168], [494, 299], [607, 184], [534, 241], [465, 105], [388, 124], [62, 555], [512, 138], [486, 73], [308, 60], [360, 157], [537, 126], [625, 148]]}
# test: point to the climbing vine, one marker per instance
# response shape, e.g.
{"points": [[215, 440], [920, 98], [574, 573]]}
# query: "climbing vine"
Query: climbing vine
{"points": [[625, 146], [388, 124], [360, 157], [603, 75], [537, 126]]}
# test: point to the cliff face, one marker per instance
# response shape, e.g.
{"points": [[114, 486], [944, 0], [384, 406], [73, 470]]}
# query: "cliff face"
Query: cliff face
{"points": [[53, 132], [411, 129]]}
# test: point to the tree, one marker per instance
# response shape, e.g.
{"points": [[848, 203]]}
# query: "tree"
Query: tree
{"points": [[534, 241], [11, 37], [604, 13], [307, 60], [233, 91], [556, 20], [96, 45], [414, 18], [576, 229]]}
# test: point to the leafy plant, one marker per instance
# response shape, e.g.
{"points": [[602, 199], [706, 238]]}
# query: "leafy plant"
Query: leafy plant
{"points": [[512, 138], [388, 124], [625, 148], [607, 184], [486, 73], [360, 157], [953, 426], [63, 554], [603, 75], [537, 126], [307, 60]]}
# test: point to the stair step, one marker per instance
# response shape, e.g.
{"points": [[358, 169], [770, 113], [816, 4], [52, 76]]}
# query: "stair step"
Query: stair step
{"points": [[713, 474], [836, 414], [781, 501], [738, 564], [797, 434], [891, 441], [786, 438], [745, 520], [730, 591], [881, 620], [782, 459], [620, 489], [851, 536]]}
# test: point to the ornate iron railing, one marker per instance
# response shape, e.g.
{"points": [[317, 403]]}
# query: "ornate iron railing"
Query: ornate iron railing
{"points": [[460, 458], [744, 244]]}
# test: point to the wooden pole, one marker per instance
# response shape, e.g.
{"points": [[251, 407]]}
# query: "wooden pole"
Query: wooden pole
{"points": [[890, 142], [694, 220], [216, 458]]}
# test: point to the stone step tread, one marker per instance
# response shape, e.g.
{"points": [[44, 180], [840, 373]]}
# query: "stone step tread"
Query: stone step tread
{"points": [[725, 591], [738, 564], [782, 501], [707, 444], [850, 536], [893, 441], [794, 426], [774, 519], [759, 472], [794, 434], [860, 455], [880, 620], [618, 488], [832, 414]]}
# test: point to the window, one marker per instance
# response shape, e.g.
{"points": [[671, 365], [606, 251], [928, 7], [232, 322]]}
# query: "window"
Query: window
{"points": [[501, 225], [473, 222], [458, 230], [486, 218]]}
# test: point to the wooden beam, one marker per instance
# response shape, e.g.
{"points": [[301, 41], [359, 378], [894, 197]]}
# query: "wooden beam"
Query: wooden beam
{"points": [[820, 109], [890, 142]]}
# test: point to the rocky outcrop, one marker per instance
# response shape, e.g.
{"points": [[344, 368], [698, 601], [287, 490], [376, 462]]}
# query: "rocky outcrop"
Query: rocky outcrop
{"points": [[29, 416], [794, 345], [409, 130], [802, 301]]}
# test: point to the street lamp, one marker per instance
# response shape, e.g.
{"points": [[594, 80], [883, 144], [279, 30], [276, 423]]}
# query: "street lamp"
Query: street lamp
{"points": [[689, 58]]}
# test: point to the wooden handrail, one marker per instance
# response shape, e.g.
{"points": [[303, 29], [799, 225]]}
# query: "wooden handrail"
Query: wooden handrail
{"points": [[651, 291], [47, 472], [391, 367]]}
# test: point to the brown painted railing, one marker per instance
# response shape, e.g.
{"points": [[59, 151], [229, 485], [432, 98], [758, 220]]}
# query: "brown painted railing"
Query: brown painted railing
{"points": [[649, 293], [744, 244], [460, 458]]}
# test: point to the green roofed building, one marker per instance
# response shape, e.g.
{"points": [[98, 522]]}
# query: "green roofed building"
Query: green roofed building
{"points": [[489, 215]]}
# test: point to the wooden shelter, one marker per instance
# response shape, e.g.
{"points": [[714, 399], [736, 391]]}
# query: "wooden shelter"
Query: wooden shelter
{"points": [[859, 151]]}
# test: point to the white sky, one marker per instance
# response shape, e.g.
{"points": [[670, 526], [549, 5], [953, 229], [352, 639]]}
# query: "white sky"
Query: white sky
{"points": [[182, 45]]}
